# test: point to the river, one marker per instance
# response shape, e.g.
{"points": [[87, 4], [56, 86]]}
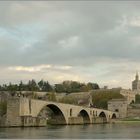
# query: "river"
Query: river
{"points": [[96, 131]]}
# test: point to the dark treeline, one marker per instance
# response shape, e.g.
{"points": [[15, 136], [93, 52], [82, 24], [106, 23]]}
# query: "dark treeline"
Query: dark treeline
{"points": [[73, 86], [45, 86]]}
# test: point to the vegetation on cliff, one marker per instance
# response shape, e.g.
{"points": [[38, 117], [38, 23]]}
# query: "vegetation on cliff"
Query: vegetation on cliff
{"points": [[99, 97], [70, 99]]}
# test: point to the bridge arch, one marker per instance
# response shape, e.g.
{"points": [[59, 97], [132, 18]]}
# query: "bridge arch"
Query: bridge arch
{"points": [[84, 114], [113, 116], [103, 116], [53, 114]]}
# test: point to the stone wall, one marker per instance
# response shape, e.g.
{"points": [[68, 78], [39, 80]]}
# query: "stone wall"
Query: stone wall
{"points": [[3, 96], [98, 120], [24, 107], [18, 113], [75, 120], [79, 120], [13, 118], [3, 121], [133, 112]]}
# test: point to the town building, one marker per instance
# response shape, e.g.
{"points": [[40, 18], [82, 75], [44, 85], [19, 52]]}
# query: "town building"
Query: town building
{"points": [[125, 106]]}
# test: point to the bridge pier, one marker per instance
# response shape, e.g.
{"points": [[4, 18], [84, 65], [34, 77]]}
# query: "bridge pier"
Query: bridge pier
{"points": [[75, 120], [57, 120], [99, 120]]}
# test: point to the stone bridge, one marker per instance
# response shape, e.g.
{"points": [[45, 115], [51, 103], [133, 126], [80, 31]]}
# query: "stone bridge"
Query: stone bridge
{"points": [[30, 112]]}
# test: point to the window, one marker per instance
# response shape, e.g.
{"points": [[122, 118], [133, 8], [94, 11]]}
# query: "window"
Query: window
{"points": [[30, 106], [93, 112], [96, 113], [71, 112]]}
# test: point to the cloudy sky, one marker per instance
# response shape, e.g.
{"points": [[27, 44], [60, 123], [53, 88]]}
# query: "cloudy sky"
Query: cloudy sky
{"points": [[68, 40]]}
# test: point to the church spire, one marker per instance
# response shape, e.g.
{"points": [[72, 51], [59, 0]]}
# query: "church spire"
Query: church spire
{"points": [[137, 76]]}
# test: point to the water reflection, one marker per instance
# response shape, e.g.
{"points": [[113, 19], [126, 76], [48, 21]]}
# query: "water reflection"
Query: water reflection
{"points": [[97, 131]]}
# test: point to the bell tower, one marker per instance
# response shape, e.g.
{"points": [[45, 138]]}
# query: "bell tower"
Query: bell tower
{"points": [[136, 83]]}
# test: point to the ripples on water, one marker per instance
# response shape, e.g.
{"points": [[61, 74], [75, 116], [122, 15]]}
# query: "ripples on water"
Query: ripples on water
{"points": [[96, 131]]}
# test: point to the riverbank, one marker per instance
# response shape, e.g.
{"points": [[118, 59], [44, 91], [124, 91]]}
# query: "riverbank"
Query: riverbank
{"points": [[127, 120]]}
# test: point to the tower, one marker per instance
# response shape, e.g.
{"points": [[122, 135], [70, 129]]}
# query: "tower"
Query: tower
{"points": [[136, 83], [137, 76]]}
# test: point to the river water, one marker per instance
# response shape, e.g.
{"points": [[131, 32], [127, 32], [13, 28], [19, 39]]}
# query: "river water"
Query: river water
{"points": [[96, 131]]}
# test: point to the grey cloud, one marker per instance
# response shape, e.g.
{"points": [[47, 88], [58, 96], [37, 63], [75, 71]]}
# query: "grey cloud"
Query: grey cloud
{"points": [[103, 34]]}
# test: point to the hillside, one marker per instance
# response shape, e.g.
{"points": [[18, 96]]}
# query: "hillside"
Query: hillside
{"points": [[99, 97]]}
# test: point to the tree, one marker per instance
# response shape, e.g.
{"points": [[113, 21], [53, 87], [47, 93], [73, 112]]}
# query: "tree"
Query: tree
{"points": [[21, 86], [96, 86], [75, 86], [32, 86], [41, 84], [12, 88], [92, 86], [47, 87], [65, 86], [59, 88]]}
